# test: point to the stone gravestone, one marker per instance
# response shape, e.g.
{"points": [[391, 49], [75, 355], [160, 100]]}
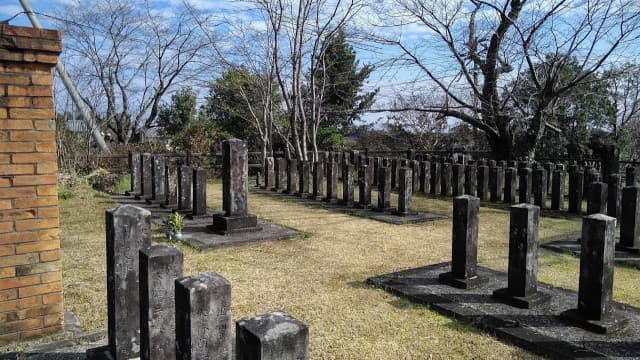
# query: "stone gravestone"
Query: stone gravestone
{"points": [[510, 185], [470, 179], [464, 249], [630, 219], [203, 317], [280, 173], [482, 188], [235, 191], [575, 191], [347, 185], [590, 176], [171, 185], [549, 167], [158, 194], [425, 176], [595, 288], [597, 203], [160, 265], [522, 289], [496, 183], [395, 168], [614, 193], [146, 174], [303, 179], [292, 172], [404, 192], [630, 176], [445, 182], [128, 231], [364, 188], [273, 336], [199, 208], [135, 169], [377, 162], [524, 191], [318, 179], [384, 189], [458, 179], [332, 183], [415, 169], [435, 177], [557, 190], [269, 173], [184, 188], [540, 187]]}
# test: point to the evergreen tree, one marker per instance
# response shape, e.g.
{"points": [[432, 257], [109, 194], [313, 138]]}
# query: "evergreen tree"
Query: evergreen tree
{"points": [[175, 116], [343, 79]]}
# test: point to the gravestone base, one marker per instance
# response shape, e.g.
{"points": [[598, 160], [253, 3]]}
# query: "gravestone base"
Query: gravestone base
{"points": [[169, 206], [448, 278], [538, 330], [331, 201], [316, 198], [613, 323], [524, 302], [389, 210], [570, 244], [362, 206], [302, 195], [628, 249], [234, 224], [405, 213], [99, 353], [207, 215], [132, 193], [154, 202], [346, 203], [199, 235]]}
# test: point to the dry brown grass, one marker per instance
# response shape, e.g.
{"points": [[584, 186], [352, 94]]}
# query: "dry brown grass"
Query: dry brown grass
{"points": [[319, 277]]}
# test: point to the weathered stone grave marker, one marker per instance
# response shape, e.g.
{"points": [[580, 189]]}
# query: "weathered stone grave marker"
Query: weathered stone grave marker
{"points": [[384, 189], [630, 219], [332, 183], [318, 180], [557, 190], [597, 203], [273, 336]]}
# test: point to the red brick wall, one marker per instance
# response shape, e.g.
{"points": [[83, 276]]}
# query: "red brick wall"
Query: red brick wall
{"points": [[30, 265]]}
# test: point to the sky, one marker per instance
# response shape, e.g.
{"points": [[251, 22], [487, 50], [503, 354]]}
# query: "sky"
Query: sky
{"points": [[389, 78]]}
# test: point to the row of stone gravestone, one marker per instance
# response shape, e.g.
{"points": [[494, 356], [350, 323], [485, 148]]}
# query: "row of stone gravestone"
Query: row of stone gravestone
{"points": [[155, 312], [159, 181], [492, 181], [594, 311]]}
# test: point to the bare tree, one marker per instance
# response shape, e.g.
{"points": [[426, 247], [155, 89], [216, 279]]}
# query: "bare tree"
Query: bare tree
{"points": [[298, 30], [625, 92], [427, 128], [132, 56], [477, 51]]}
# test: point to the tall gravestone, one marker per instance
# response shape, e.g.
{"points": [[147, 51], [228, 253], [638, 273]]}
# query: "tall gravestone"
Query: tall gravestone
{"points": [[292, 179], [458, 179], [273, 336], [160, 265], [595, 288], [557, 190], [576, 184], [470, 179], [464, 249], [171, 185], [318, 180], [522, 288], [146, 173], [347, 185], [540, 187], [135, 169], [445, 182], [158, 179], [364, 187], [280, 173], [384, 189], [614, 193], [332, 183], [510, 180], [630, 219], [235, 191], [496, 184], [524, 190], [199, 198], [425, 176], [269, 173], [598, 194], [482, 188], [303, 179], [630, 176], [404, 191], [415, 170], [203, 317], [435, 177], [184, 188], [128, 231]]}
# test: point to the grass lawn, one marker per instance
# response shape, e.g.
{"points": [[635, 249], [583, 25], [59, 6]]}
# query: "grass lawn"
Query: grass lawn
{"points": [[319, 277]]}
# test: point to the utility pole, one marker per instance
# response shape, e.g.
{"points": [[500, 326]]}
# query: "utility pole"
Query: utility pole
{"points": [[70, 86]]}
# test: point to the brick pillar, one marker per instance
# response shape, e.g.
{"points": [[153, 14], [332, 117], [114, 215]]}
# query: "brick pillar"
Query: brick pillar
{"points": [[30, 255]]}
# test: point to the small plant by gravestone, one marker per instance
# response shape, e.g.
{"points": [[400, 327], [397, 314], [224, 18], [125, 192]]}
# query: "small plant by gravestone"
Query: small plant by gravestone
{"points": [[174, 224]]}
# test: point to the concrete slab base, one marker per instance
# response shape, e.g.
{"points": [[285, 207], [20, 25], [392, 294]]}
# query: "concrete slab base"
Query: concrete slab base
{"points": [[571, 245], [540, 330]]}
